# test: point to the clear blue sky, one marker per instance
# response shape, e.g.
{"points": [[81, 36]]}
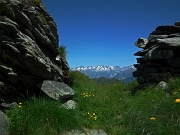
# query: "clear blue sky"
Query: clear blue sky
{"points": [[103, 32]]}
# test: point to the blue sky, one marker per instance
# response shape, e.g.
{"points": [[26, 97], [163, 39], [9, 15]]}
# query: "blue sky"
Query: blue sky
{"points": [[103, 32]]}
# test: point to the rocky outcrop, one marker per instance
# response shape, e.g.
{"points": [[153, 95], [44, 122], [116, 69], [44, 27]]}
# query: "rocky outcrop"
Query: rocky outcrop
{"points": [[28, 49], [160, 58]]}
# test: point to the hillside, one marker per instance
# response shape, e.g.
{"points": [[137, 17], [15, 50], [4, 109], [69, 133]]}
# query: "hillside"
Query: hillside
{"points": [[111, 108]]}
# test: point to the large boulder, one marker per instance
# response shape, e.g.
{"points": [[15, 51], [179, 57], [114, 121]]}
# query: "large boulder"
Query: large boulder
{"points": [[4, 124], [28, 49], [56, 90]]}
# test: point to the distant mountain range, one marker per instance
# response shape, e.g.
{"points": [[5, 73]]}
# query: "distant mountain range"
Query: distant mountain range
{"points": [[124, 74]]}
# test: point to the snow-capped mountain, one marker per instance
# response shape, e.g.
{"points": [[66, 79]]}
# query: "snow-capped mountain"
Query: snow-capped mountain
{"points": [[107, 71]]}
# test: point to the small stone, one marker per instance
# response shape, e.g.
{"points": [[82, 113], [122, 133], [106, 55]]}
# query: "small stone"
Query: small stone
{"points": [[162, 85], [70, 104], [9, 106], [141, 42]]}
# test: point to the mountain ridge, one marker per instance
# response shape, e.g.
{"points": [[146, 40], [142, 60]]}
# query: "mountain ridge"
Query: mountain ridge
{"points": [[107, 71]]}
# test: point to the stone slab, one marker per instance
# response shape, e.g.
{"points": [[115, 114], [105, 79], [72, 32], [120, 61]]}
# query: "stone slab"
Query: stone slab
{"points": [[56, 90]]}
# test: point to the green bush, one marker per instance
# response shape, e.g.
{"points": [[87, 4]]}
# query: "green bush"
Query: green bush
{"points": [[62, 51]]}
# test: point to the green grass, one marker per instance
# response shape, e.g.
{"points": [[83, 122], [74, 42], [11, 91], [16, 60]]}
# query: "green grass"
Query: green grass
{"points": [[110, 107], [62, 51], [41, 117]]}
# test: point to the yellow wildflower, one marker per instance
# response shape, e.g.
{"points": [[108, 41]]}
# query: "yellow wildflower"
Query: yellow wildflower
{"points": [[174, 93], [19, 106], [20, 103], [95, 117], [177, 100], [152, 118]]}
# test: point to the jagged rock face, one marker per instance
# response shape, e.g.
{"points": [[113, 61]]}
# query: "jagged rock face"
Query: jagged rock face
{"points": [[160, 58], [28, 48]]}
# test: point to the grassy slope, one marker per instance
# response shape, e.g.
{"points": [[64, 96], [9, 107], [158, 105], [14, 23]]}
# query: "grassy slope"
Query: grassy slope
{"points": [[110, 107]]}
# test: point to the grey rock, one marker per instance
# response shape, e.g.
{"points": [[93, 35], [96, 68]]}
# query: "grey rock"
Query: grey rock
{"points": [[20, 16], [153, 63], [141, 42], [86, 132], [4, 68], [9, 28], [137, 73], [96, 132], [74, 132], [70, 104], [9, 106], [153, 38], [44, 40], [143, 52], [8, 20], [158, 32], [140, 66], [150, 70], [174, 35], [4, 124], [169, 29], [140, 60], [27, 32], [163, 85], [169, 43], [150, 45], [53, 28], [174, 63], [56, 90], [156, 53], [153, 77]]}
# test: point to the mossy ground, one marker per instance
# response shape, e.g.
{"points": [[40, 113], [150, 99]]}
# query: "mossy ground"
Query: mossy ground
{"points": [[110, 107]]}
